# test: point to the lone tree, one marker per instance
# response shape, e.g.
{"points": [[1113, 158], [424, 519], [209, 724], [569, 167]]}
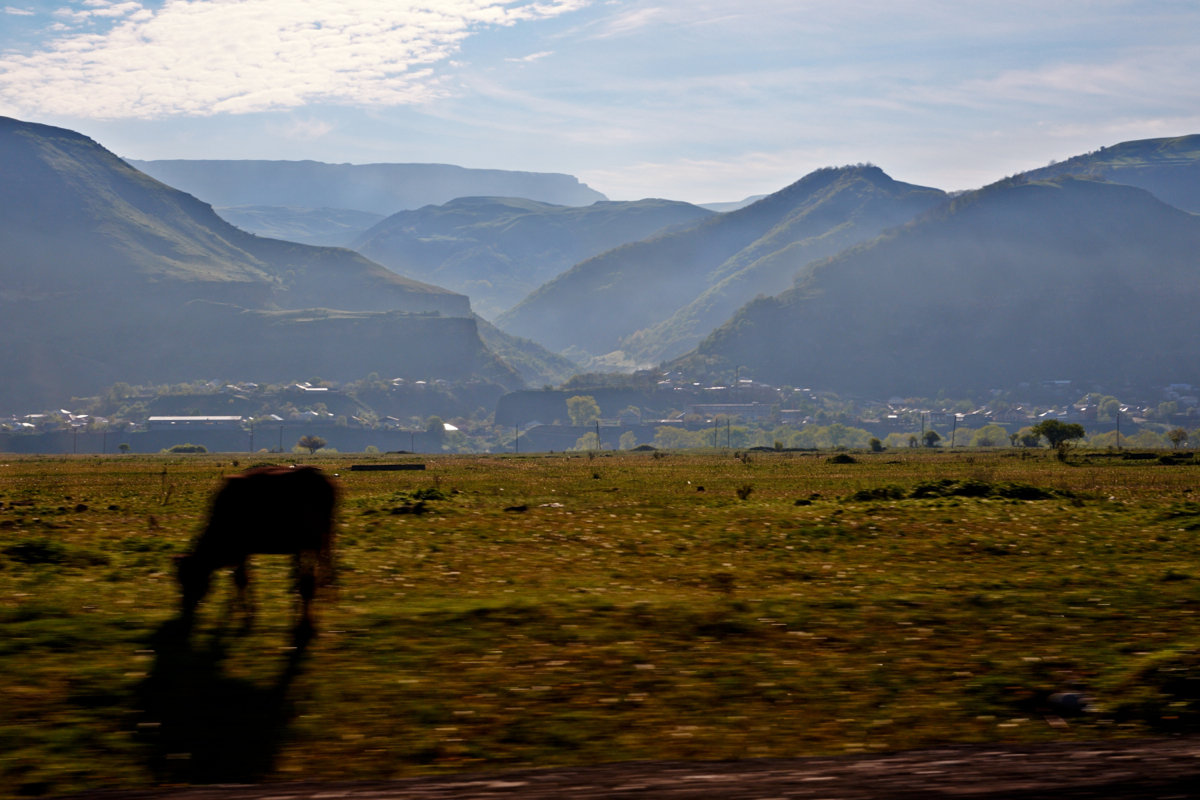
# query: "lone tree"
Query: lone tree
{"points": [[1177, 436], [311, 443], [1057, 432], [931, 438]]}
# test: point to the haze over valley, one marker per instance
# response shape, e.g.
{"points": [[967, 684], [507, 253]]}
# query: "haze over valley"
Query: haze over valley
{"points": [[846, 281]]}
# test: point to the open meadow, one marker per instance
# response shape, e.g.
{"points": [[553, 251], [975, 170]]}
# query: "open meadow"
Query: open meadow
{"points": [[495, 612]]}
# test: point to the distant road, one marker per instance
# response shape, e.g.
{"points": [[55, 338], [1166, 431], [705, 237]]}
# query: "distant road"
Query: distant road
{"points": [[1147, 768]]}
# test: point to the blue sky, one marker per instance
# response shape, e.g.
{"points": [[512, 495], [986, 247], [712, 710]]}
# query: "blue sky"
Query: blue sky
{"points": [[688, 99]]}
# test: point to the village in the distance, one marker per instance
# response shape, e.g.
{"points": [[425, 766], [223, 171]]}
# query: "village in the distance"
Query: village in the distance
{"points": [[659, 411]]}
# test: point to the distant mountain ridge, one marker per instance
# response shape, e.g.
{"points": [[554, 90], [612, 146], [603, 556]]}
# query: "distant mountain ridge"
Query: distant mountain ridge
{"points": [[1021, 281], [658, 298], [324, 227], [499, 249], [374, 188], [1168, 168], [108, 275]]}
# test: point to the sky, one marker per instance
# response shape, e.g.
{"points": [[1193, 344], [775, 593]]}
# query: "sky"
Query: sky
{"points": [[697, 100]]}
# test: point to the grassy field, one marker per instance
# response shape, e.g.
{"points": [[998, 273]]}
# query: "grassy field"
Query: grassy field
{"points": [[507, 611]]}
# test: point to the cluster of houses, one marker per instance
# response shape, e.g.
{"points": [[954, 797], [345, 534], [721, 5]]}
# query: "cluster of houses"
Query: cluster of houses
{"points": [[306, 405]]}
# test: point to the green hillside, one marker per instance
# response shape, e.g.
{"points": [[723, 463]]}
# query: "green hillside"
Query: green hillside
{"points": [[1018, 282], [108, 275], [659, 297], [1167, 168], [499, 249]]}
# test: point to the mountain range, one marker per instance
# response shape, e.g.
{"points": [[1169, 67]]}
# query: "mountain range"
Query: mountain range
{"points": [[656, 299], [107, 275], [1167, 168], [1084, 270], [1023, 281], [499, 249], [331, 204]]}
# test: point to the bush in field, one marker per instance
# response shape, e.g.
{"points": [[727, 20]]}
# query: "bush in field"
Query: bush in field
{"points": [[187, 448], [877, 493], [311, 443], [946, 487], [1028, 437]]}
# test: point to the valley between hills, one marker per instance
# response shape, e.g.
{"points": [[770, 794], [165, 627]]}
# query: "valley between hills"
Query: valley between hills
{"points": [[846, 298]]}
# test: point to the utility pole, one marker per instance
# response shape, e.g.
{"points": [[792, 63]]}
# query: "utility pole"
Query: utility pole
{"points": [[1118, 429], [598, 447], [953, 430], [516, 439]]}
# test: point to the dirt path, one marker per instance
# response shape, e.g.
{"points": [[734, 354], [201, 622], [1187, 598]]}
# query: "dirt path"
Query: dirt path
{"points": [[1150, 768]]}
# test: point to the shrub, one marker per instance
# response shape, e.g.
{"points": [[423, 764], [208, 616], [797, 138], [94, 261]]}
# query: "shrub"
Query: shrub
{"points": [[187, 448], [877, 493]]}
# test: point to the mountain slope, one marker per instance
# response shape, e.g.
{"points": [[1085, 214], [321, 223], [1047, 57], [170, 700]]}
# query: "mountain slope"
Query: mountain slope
{"points": [[106, 275], [1018, 282], [324, 227], [1167, 168], [661, 296], [375, 188], [499, 249]]}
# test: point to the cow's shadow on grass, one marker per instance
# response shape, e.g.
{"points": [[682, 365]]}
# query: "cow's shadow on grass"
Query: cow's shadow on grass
{"points": [[202, 725]]}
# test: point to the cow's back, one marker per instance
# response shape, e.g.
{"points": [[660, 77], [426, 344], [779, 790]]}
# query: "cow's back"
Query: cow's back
{"points": [[272, 510]]}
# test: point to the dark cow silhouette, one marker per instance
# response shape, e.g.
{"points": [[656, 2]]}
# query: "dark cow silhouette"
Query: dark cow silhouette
{"points": [[286, 510]]}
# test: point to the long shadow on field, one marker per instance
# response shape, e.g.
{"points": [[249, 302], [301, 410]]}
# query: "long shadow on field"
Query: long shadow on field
{"points": [[201, 725]]}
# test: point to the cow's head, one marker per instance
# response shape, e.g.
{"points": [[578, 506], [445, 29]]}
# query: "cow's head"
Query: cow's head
{"points": [[193, 581]]}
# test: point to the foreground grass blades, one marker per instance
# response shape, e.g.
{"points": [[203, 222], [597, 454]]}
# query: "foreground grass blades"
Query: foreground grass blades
{"points": [[550, 609]]}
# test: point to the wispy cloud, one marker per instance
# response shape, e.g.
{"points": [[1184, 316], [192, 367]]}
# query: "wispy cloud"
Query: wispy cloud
{"points": [[303, 130], [529, 59], [18, 12], [202, 57]]}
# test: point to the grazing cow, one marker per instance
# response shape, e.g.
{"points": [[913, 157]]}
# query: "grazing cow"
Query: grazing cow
{"points": [[286, 510]]}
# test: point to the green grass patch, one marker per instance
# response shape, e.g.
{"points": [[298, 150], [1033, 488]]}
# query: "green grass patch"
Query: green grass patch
{"points": [[504, 611]]}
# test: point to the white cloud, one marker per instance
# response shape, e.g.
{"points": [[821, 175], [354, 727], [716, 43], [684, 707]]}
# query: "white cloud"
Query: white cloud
{"points": [[18, 12], [531, 57], [202, 57], [302, 130]]}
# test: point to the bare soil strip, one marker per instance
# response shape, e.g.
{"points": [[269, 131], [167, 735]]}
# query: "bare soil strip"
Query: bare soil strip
{"points": [[1147, 768]]}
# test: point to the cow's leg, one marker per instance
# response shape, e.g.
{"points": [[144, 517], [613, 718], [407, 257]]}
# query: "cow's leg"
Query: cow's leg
{"points": [[306, 584], [241, 579]]}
